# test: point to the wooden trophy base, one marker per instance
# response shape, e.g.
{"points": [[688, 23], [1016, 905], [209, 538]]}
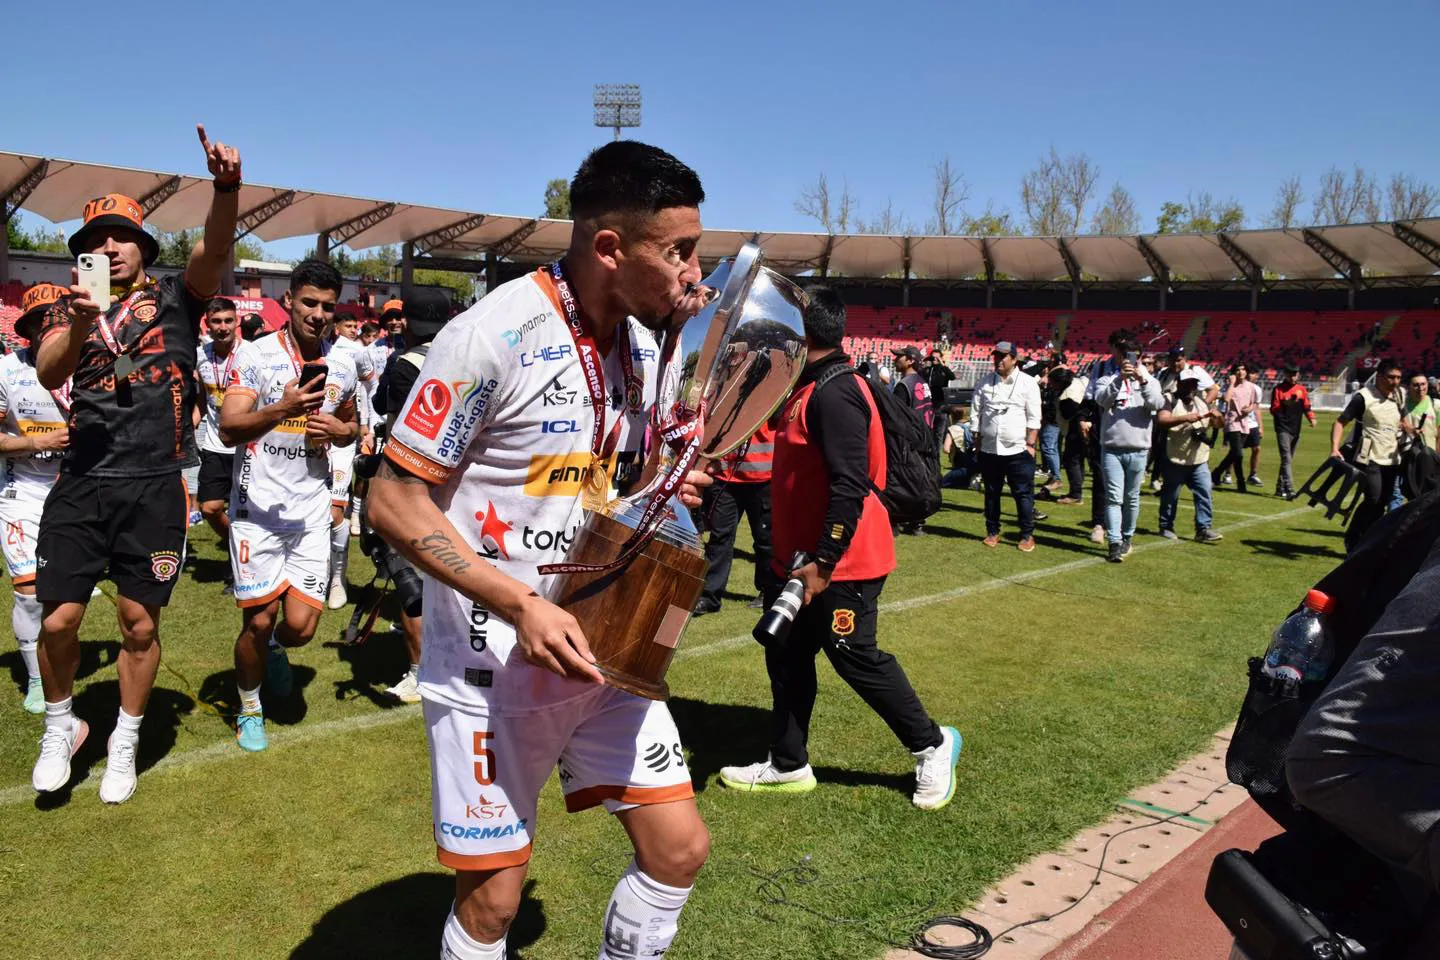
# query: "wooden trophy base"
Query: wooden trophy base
{"points": [[632, 616]]}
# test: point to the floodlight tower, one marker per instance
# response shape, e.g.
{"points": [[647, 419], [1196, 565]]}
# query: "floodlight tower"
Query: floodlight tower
{"points": [[617, 105]]}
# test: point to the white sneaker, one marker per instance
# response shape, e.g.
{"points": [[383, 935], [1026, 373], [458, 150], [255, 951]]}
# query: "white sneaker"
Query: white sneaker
{"points": [[764, 778], [935, 771], [1097, 535], [407, 690], [119, 781], [355, 523], [52, 769], [337, 598]]}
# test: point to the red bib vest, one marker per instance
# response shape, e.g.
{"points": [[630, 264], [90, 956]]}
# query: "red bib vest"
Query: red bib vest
{"points": [[800, 495], [752, 463]]}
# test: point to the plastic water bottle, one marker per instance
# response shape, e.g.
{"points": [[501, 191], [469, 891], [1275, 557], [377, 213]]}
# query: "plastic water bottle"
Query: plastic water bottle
{"points": [[1301, 649]]}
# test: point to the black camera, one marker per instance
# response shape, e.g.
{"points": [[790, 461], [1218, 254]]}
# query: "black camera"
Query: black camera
{"points": [[775, 625]]}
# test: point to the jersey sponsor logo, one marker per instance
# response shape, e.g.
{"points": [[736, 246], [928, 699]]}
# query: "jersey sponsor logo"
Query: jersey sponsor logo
{"points": [[533, 539], [660, 758], [474, 400], [290, 425], [332, 392], [293, 453], [563, 351], [493, 528], [483, 809], [479, 678], [560, 426], [842, 623], [556, 395], [479, 628], [514, 337], [643, 353], [427, 413], [164, 564], [461, 832], [557, 474]]}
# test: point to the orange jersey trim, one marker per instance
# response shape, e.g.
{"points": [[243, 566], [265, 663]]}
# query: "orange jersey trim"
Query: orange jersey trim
{"points": [[587, 797], [305, 598], [416, 463], [546, 283], [483, 861], [270, 597], [24, 579]]}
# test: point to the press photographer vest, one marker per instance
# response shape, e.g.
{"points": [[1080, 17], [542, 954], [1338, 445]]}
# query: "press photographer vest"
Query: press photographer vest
{"points": [[800, 495], [1378, 429]]}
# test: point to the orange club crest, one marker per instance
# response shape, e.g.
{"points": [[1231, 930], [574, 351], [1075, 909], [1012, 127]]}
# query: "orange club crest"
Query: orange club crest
{"points": [[842, 623]]}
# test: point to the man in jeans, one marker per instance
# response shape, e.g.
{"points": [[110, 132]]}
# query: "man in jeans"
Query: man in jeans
{"points": [[1005, 415], [1187, 421], [1289, 403], [1128, 401]]}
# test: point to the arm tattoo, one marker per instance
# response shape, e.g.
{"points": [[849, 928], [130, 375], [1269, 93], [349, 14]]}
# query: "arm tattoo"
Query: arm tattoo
{"points": [[388, 472], [443, 550]]}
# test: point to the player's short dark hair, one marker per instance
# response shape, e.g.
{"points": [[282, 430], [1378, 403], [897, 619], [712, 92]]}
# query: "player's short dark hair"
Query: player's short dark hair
{"points": [[317, 274], [369, 326], [824, 317], [1121, 339], [1386, 365], [628, 178], [219, 305], [251, 325]]}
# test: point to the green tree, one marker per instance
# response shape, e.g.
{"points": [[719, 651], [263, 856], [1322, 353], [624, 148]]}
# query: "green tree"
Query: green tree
{"points": [[247, 249], [557, 199], [461, 284], [39, 240], [1200, 214], [988, 224], [176, 246]]}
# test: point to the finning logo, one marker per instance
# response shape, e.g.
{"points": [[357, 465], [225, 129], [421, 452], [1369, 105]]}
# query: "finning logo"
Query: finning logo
{"points": [[164, 564], [492, 528]]}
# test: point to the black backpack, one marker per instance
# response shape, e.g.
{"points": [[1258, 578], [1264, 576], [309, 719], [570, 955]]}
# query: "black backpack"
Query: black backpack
{"points": [[912, 459]]}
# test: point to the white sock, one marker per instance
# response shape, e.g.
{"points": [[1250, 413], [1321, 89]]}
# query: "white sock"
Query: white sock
{"points": [[60, 714], [339, 545], [415, 670], [126, 726], [25, 620], [456, 944], [642, 916], [249, 699]]}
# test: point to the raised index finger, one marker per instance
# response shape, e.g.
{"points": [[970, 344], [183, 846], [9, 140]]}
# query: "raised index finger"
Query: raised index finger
{"points": [[204, 140]]}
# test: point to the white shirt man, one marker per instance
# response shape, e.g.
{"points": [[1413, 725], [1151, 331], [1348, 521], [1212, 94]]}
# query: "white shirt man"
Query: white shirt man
{"points": [[1005, 416]]}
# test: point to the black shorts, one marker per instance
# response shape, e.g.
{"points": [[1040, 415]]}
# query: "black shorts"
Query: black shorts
{"points": [[1253, 440], [216, 472], [131, 529]]}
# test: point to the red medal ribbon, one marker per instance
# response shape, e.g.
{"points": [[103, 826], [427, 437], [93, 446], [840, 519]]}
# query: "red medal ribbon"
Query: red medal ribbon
{"points": [[222, 377]]}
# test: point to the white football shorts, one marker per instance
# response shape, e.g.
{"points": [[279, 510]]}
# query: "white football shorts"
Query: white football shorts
{"points": [[266, 564], [611, 748], [342, 463], [21, 522]]}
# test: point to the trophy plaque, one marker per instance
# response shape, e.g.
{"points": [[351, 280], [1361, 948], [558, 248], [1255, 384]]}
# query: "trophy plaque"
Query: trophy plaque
{"points": [[636, 568]]}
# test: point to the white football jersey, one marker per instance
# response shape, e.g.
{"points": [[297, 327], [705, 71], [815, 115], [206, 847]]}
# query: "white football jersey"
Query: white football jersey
{"points": [[27, 409], [500, 423], [214, 374], [281, 480], [364, 362]]}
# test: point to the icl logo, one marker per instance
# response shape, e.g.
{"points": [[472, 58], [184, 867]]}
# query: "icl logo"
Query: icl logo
{"points": [[560, 426]]}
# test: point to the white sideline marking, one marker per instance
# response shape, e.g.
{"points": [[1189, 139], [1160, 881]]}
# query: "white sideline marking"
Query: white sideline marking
{"points": [[995, 583], [282, 737]]}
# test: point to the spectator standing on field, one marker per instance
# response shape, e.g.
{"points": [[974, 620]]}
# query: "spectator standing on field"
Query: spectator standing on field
{"points": [[1378, 413], [1073, 452], [1289, 404], [938, 377], [1240, 406], [1005, 415], [914, 392], [1187, 422], [741, 487], [1255, 439], [1128, 401]]}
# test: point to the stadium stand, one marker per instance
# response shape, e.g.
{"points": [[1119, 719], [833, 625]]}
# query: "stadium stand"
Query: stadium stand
{"points": [[1323, 343]]}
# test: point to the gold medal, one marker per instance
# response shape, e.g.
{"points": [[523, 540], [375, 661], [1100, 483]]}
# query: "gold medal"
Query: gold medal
{"points": [[597, 486]]}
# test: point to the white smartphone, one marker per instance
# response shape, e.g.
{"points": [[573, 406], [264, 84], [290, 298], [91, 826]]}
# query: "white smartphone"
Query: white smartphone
{"points": [[95, 276]]}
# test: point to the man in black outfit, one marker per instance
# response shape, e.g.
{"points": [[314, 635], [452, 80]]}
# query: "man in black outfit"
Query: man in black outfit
{"points": [[938, 377], [829, 457], [741, 487], [119, 508], [914, 391]]}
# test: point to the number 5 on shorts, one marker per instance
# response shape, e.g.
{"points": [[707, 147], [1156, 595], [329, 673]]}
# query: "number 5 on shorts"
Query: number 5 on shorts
{"points": [[484, 759]]}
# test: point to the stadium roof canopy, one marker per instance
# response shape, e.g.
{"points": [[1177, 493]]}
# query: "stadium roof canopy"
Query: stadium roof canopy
{"points": [[58, 189]]}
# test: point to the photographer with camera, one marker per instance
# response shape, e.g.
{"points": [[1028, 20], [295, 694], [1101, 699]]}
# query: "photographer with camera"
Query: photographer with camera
{"points": [[1188, 424], [1128, 400], [829, 462], [427, 311]]}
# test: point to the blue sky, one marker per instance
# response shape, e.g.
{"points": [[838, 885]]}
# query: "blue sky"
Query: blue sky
{"points": [[475, 105]]}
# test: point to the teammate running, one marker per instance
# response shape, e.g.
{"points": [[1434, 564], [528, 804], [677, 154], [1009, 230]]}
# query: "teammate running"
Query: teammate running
{"points": [[33, 433], [508, 683], [280, 514], [213, 363], [342, 459]]}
